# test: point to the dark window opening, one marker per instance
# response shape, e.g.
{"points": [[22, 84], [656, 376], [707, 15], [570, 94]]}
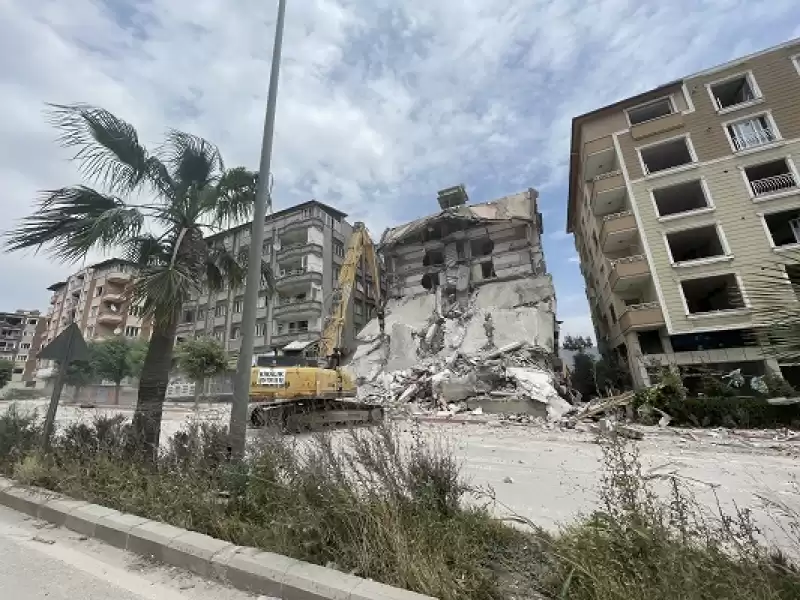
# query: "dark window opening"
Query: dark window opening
{"points": [[433, 257], [430, 281], [482, 247], [683, 197], [612, 312], [732, 92], [666, 156], [487, 270], [436, 231], [713, 340], [711, 294], [784, 227], [651, 110], [694, 244], [650, 342], [460, 249], [188, 316], [770, 178]]}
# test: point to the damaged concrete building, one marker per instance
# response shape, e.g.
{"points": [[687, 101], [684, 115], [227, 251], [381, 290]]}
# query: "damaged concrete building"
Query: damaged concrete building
{"points": [[470, 316]]}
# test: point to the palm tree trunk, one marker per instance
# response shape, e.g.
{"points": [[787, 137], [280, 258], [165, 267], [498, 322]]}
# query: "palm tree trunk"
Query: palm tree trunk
{"points": [[198, 388], [152, 389], [116, 394]]}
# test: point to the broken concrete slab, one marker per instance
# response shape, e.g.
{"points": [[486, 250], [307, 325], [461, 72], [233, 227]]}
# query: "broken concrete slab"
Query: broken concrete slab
{"points": [[403, 347]]}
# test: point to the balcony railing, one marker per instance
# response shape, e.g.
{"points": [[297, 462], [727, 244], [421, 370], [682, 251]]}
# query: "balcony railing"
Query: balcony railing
{"points": [[607, 175], [771, 185], [755, 138], [617, 215]]}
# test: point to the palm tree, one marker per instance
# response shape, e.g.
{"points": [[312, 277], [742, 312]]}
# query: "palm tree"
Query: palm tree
{"points": [[188, 193]]}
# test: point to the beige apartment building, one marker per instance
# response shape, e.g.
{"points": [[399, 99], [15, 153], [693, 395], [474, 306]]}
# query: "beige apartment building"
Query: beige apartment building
{"points": [[21, 334], [678, 196], [94, 298], [305, 245]]}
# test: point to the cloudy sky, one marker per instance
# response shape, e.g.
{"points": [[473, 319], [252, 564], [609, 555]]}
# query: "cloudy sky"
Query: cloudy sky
{"points": [[381, 103]]}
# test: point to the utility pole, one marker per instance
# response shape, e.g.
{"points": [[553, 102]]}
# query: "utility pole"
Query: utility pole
{"points": [[241, 383]]}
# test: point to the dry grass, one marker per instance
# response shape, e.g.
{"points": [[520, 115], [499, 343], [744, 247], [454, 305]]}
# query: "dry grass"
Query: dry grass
{"points": [[397, 513]]}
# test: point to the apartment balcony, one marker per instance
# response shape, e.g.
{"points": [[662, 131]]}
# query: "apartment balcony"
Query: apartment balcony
{"points": [[659, 125], [608, 193], [628, 273], [294, 278], [774, 185], [119, 277], [298, 250], [300, 222], [619, 231], [291, 307], [599, 157], [639, 317], [109, 318], [113, 297], [220, 321]]}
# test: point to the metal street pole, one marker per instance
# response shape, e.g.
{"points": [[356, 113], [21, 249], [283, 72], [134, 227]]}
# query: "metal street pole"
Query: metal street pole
{"points": [[241, 384]]}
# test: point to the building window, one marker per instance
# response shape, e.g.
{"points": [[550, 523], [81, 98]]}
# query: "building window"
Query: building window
{"points": [[279, 327], [649, 111], [751, 132], [22, 357], [188, 316], [237, 306], [712, 294], [201, 314], [32, 321], [262, 301], [24, 346], [666, 155], [336, 272], [261, 329], [338, 248], [132, 331], [358, 307], [89, 332], [771, 177], [235, 332], [98, 291], [684, 197], [93, 311], [219, 334], [694, 244], [734, 92], [783, 227], [220, 310]]}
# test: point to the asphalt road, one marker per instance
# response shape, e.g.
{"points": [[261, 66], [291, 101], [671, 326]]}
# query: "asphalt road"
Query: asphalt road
{"points": [[38, 562]]}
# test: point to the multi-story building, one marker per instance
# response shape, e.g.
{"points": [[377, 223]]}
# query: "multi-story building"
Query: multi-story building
{"points": [[305, 245], [677, 197], [21, 334], [95, 299]]}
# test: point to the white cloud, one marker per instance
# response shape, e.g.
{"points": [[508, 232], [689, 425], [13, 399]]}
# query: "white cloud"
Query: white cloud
{"points": [[574, 259], [380, 103]]}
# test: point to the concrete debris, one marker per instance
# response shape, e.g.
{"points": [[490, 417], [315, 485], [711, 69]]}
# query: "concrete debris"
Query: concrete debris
{"points": [[449, 362], [508, 480], [603, 405], [783, 401], [611, 428]]}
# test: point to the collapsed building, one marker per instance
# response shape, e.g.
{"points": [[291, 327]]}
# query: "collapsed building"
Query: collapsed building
{"points": [[470, 313]]}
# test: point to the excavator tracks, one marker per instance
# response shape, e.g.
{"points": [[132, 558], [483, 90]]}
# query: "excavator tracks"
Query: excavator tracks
{"points": [[313, 415]]}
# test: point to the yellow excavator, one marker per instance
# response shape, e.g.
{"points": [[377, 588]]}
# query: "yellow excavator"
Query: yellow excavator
{"points": [[305, 390]]}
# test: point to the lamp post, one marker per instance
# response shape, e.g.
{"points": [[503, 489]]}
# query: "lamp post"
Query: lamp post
{"points": [[241, 383]]}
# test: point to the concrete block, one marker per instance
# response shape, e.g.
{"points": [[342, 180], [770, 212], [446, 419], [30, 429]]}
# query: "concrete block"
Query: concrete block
{"points": [[194, 551], [23, 500], [84, 519], [402, 348], [372, 590], [312, 582], [260, 572], [114, 528], [56, 511], [151, 537]]}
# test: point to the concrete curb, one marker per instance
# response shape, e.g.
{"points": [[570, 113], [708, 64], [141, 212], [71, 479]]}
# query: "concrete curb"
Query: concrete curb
{"points": [[242, 567]]}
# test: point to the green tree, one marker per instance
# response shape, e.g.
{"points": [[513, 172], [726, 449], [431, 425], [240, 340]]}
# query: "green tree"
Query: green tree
{"points": [[577, 343], [115, 359], [6, 370], [188, 192], [80, 373], [201, 358]]}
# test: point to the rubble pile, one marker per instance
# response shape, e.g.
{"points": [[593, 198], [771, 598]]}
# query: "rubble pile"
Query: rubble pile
{"points": [[491, 352]]}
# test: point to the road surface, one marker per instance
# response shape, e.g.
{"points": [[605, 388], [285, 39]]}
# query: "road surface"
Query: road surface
{"points": [[39, 562]]}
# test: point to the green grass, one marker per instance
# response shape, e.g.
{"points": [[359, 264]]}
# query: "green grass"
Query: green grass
{"points": [[398, 513]]}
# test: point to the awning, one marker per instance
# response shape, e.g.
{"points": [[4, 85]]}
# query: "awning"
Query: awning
{"points": [[298, 345]]}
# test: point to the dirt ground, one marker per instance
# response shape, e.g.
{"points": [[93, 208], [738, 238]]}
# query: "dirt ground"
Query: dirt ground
{"points": [[550, 475]]}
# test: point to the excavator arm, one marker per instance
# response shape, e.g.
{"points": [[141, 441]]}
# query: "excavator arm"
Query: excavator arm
{"points": [[360, 245]]}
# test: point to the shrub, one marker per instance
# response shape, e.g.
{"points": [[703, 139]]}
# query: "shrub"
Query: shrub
{"points": [[19, 434]]}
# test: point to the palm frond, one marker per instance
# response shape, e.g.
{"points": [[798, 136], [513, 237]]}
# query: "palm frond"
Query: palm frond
{"points": [[233, 198], [108, 148], [194, 162], [72, 221], [147, 250], [774, 290], [162, 291], [223, 269]]}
